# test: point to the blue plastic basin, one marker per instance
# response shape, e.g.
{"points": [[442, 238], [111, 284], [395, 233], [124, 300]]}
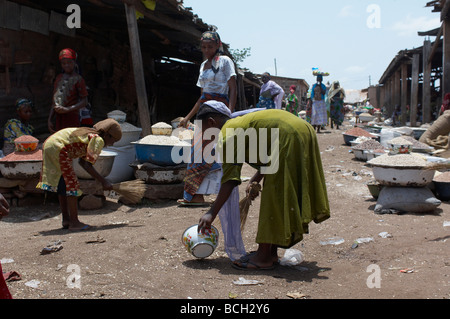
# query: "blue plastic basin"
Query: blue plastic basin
{"points": [[349, 138], [160, 154]]}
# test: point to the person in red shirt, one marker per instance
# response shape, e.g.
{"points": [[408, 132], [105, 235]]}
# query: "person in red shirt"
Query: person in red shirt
{"points": [[69, 95], [4, 291], [445, 105]]}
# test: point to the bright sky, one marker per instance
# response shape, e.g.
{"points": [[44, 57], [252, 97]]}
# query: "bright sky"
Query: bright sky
{"points": [[347, 38]]}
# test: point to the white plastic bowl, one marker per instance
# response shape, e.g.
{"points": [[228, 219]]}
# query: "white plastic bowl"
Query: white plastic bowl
{"points": [[366, 118], [128, 138], [199, 245], [103, 165], [21, 169], [407, 177], [395, 149], [360, 154], [117, 115]]}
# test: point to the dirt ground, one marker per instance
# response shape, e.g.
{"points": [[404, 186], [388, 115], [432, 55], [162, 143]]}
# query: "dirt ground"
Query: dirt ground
{"points": [[136, 252]]}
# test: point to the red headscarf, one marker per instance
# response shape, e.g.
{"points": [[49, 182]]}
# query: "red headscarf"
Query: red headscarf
{"points": [[67, 54]]}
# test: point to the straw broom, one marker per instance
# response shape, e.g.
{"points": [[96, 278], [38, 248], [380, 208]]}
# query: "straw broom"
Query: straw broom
{"points": [[132, 191], [245, 203]]}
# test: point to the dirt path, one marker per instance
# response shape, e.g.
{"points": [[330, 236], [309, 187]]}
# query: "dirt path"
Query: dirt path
{"points": [[136, 252]]}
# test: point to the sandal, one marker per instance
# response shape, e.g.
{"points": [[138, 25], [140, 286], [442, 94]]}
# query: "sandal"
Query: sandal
{"points": [[84, 228], [244, 266], [185, 203], [246, 258], [12, 276]]}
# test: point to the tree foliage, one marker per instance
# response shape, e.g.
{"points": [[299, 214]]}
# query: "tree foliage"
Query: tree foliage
{"points": [[239, 55]]}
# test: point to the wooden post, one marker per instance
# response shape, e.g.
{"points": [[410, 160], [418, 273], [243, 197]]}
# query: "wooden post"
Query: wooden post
{"points": [[138, 67], [404, 71], [387, 96], [414, 89], [392, 93], [446, 58], [383, 97], [426, 95], [240, 102], [397, 91]]}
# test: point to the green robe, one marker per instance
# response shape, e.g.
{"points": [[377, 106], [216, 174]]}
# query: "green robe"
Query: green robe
{"points": [[296, 193]]}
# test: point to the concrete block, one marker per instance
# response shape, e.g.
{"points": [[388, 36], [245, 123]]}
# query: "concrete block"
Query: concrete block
{"points": [[91, 202]]}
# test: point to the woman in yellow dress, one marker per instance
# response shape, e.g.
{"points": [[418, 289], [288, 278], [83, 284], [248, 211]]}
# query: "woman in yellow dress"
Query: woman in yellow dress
{"points": [[57, 174]]}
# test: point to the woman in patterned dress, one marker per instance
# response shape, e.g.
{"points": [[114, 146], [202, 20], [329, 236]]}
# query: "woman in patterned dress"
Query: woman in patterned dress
{"points": [[69, 96], [336, 97], [57, 174], [319, 108]]}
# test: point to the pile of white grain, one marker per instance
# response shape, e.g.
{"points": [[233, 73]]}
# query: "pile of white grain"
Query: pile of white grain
{"points": [[400, 141], [163, 140], [400, 160], [369, 144], [416, 144], [444, 177]]}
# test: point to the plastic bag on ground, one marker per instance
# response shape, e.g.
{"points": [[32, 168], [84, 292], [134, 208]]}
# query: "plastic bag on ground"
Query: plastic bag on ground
{"points": [[292, 257]]}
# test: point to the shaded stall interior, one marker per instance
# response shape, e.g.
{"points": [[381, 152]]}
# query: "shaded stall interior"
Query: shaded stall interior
{"points": [[32, 34]]}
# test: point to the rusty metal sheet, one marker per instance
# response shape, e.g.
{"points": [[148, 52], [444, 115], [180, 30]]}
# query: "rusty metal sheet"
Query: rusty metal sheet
{"points": [[9, 15], [34, 20], [58, 24]]}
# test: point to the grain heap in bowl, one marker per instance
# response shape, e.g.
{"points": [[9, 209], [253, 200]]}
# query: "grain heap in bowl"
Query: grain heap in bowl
{"points": [[400, 141], [399, 145], [35, 156], [443, 178], [163, 140], [402, 170], [26, 143], [416, 144], [356, 131], [362, 139], [162, 128], [369, 145], [400, 161]]}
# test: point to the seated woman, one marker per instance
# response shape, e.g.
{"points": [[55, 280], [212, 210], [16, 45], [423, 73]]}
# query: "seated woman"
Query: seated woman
{"points": [[19, 126], [57, 173]]}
